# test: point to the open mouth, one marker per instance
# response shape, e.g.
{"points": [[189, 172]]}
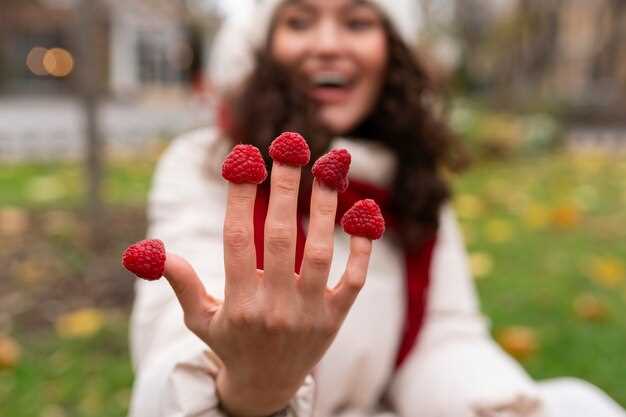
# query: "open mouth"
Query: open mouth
{"points": [[330, 87]]}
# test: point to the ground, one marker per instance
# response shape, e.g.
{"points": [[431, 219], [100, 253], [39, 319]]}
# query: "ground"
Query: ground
{"points": [[546, 240]]}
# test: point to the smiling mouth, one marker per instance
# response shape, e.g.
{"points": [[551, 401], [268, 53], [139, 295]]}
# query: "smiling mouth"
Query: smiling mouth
{"points": [[330, 87]]}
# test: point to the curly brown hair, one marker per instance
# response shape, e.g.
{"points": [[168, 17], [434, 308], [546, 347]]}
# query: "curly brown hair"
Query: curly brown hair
{"points": [[403, 118]]}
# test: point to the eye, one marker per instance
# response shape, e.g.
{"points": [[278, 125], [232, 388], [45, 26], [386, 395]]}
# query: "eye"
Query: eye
{"points": [[298, 23], [360, 23], [295, 18], [362, 18]]}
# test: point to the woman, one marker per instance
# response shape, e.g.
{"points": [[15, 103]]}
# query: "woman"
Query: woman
{"points": [[413, 343]]}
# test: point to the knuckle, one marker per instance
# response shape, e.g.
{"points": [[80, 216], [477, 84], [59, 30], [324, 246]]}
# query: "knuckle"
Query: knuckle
{"points": [[278, 323], [319, 256], [354, 283], [242, 318], [193, 323], [327, 328], [241, 199], [237, 236], [285, 186], [279, 238], [325, 210]]}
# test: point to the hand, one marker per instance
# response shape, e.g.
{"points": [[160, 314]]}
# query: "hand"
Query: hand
{"points": [[273, 326]]}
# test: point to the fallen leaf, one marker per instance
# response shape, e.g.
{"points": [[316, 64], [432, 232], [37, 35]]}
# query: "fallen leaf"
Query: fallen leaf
{"points": [[566, 216], [80, 323], [498, 231], [468, 206], [481, 264], [10, 352], [589, 307], [608, 271], [536, 216], [519, 341]]}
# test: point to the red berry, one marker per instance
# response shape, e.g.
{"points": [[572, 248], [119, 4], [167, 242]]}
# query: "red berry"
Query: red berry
{"points": [[244, 164], [146, 259], [332, 169], [291, 149], [364, 219]]}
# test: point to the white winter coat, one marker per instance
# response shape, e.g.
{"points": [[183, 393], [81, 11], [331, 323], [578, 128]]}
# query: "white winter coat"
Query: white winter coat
{"points": [[455, 369]]}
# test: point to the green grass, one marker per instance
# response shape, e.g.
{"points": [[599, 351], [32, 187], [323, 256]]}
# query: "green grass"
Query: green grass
{"points": [[63, 185], [539, 271], [537, 267]]}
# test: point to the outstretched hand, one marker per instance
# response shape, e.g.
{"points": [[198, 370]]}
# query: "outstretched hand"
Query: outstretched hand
{"points": [[273, 325]]}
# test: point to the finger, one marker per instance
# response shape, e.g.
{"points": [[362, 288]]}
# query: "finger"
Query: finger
{"points": [[353, 279], [239, 251], [197, 304], [318, 251], [280, 227]]}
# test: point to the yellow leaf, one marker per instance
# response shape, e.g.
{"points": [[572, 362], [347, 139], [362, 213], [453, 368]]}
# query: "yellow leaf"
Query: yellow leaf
{"points": [[566, 216], [589, 307], [607, 271], [519, 341], [80, 323], [468, 206], [498, 231], [10, 352], [481, 264], [536, 216]]}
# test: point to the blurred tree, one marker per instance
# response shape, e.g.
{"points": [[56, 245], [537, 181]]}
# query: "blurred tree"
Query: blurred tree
{"points": [[88, 72]]}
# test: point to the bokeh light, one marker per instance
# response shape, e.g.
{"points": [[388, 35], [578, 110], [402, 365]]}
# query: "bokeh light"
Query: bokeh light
{"points": [[58, 62], [34, 61]]}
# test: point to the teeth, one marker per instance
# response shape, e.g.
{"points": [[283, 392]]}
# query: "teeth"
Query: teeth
{"points": [[330, 79]]}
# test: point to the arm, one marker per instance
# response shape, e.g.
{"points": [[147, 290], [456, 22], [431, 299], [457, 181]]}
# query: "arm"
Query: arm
{"points": [[456, 369]]}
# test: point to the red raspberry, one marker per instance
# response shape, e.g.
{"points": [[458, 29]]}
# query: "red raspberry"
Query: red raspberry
{"points": [[364, 219], [244, 164], [146, 259], [332, 169], [290, 148]]}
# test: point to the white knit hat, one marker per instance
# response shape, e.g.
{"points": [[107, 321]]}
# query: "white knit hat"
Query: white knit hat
{"points": [[232, 57]]}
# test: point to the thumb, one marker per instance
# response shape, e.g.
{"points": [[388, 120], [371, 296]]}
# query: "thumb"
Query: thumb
{"points": [[193, 298]]}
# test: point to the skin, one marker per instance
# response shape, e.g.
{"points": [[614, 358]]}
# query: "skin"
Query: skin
{"points": [[268, 315], [346, 37]]}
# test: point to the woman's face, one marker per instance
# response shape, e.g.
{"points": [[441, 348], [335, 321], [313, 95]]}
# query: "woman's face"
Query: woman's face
{"points": [[338, 50]]}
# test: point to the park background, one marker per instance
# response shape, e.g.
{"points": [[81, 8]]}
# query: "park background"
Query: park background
{"points": [[92, 91]]}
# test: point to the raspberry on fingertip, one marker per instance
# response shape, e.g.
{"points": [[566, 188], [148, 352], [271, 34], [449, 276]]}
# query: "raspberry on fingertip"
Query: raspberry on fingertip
{"points": [[332, 169], [146, 259], [364, 219], [290, 148], [244, 164]]}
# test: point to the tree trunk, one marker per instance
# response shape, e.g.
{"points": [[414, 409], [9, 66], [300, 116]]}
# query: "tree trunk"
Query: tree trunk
{"points": [[88, 92]]}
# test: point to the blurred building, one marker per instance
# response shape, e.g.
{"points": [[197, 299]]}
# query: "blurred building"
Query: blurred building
{"points": [[141, 45]]}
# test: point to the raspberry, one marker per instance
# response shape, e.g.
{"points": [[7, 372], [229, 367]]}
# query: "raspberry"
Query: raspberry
{"points": [[364, 219], [290, 148], [332, 169], [244, 164], [146, 259]]}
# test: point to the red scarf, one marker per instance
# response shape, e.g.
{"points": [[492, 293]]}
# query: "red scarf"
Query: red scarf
{"points": [[417, 260]]}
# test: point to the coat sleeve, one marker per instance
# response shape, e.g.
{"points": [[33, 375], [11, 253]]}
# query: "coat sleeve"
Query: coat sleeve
{"points": [[174, 370], [456, 369]]}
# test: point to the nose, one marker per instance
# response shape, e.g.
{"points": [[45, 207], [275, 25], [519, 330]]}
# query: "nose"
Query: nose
{"points": [[328, 42]]}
